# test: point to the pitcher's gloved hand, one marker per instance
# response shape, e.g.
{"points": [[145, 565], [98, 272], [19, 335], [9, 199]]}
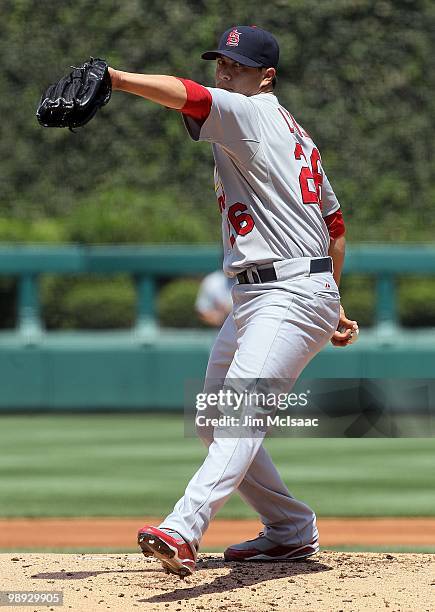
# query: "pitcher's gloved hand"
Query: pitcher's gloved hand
{"points": [[75, 98]]}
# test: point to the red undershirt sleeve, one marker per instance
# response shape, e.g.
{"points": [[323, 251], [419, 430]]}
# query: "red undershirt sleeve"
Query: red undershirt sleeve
{"points": [[335, 224], [199, 100]]}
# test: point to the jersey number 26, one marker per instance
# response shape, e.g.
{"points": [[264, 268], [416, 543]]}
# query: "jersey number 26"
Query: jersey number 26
{"points": [[307, 174]]}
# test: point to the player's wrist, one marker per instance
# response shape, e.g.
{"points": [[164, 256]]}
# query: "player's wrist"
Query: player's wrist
{"points": [[115, 77]]}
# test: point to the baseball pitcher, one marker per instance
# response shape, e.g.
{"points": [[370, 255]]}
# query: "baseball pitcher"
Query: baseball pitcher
{"points": [[283, 240], [284, 245]]}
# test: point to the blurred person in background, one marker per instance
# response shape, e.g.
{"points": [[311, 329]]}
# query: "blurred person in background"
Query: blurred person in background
{"points": [[214, 302]]}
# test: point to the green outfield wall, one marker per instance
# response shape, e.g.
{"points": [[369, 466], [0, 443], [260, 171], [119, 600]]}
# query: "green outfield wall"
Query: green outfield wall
{"points": [[147, 367]]}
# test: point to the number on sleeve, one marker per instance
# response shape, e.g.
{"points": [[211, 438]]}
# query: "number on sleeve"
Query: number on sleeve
{"points": [[317, 173], [310, 179], [242, 222]]}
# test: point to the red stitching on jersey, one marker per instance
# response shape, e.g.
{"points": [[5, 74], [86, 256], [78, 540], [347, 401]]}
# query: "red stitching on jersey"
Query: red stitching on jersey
{"points": [[335, 224], [199, 100]]}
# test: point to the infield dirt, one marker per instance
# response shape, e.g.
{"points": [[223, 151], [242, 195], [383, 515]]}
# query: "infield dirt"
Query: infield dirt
{"points": [[120, 533], [328, 581]]}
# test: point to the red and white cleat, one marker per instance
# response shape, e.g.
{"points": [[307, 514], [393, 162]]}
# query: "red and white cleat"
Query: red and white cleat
{"points": [[263, 549], [175, 554]]}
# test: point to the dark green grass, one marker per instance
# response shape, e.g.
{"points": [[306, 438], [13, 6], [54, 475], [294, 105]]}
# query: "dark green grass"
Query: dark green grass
{"points": [[133, 465]]}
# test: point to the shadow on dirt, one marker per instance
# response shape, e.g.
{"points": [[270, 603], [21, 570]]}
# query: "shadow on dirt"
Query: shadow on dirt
{"points": [[241, 575], [82, 575]]}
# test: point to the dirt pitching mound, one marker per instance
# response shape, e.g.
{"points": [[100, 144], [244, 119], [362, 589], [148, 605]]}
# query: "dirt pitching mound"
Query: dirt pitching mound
{"points": [[328, 581]]}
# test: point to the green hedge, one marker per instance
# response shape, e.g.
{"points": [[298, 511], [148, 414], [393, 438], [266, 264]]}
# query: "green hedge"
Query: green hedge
{"points": [[123, 216], [92, 303], [34, 231], [87, 303], [120, 216], [358, 298], [101, 303], [176, 304], [417, 301], [110, 302], [357, 74]]}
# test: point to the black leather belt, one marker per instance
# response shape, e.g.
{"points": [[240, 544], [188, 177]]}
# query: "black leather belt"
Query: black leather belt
{"points": [[265, 275]]}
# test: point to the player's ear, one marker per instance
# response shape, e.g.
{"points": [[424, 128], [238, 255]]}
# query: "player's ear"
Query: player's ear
{"points": [[268, 76]]}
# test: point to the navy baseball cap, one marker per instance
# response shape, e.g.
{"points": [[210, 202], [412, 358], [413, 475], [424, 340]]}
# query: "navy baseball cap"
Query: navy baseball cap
{"points": [[248, 45]]}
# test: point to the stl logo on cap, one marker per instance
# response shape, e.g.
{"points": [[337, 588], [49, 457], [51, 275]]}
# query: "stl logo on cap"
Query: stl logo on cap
{"points": [[233, 38]]}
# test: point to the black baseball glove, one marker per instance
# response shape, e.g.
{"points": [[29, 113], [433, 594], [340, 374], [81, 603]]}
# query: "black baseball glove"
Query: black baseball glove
{"points": [[74, 100]]}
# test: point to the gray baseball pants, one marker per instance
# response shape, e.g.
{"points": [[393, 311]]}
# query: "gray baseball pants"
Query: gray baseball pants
{"points": [[275, 329]]}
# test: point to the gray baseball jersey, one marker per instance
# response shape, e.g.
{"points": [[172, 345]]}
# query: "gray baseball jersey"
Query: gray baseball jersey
{"points": [[271, 188]]}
